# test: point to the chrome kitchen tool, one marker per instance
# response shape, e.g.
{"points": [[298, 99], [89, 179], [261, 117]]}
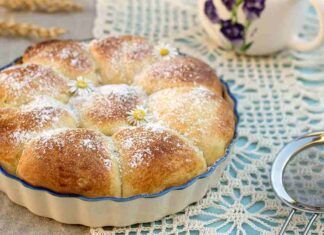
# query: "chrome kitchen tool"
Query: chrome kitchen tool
{"points": [[297, 176]]}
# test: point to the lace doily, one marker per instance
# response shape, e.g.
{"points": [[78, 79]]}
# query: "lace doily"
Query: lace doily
{"points": [[280, 97]]}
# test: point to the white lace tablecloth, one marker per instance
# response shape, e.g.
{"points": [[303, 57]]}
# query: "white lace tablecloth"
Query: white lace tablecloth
{"points": [[280, 97]]}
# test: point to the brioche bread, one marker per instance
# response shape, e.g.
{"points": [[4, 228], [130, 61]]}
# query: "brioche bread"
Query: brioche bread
{"points": [[68, 57], [116, 117], [74, 161], [106, 109], [120, 58], [153, 158], [179, 71], [20, 84], [19, 125], [199, 114]]}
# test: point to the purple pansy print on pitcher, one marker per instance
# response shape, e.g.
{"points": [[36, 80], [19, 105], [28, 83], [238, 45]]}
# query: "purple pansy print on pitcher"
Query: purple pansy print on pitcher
{"points": [[229, 4], [253, 8], [233, 30], [211, 12]]}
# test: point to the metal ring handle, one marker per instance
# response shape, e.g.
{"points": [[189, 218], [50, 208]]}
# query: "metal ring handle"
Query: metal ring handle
{"points": [[281, 162]]}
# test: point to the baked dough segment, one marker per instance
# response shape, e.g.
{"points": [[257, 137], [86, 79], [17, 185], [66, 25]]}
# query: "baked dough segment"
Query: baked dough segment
{"points": [[120, 58], [153, 158], [107, 108], [180, 71], [20, 84], [73, 161], [68, 57], [195, 123], [199, 114], [18, 126]]}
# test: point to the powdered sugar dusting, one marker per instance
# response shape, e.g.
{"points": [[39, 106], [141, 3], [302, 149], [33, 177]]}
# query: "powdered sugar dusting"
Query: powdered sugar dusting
{"points": [[125, 56], [89, 144], [128, 143], [73, 54], [155, 127], [197, 112], [24, 82], [46, 109], [139, 157], [22, 125], [44, 101], [137, 50], [20, 136], [75, 143], [146, 142], [181, 68], [122, 92], [129, 47], [109, 104]]}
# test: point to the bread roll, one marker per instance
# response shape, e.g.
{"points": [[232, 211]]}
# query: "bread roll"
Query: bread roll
{"points": [[107, 108], [68, 57], [20, 84], [180, 71], [199, 114], [153, 158], [167, 114], [73, 161], [18, 126], [120, 58]]}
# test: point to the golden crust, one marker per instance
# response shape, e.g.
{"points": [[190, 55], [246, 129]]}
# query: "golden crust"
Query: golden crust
{"points": [[10, 147], [153, 158], [180, 71], [186, 97], [65, 56], [106, 109], [199, 114], [20, 84], [121, 58], [74, 161], [18, 126]]}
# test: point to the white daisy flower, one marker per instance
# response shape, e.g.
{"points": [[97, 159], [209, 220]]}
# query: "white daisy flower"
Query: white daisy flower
{"points": [[138, 116], [165, 51], [81, 86]]}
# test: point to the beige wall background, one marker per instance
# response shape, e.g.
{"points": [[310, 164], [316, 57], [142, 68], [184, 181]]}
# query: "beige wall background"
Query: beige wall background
{"points": [[79, 26]]}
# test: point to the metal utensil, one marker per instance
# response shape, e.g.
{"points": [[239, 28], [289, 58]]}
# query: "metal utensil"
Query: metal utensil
{"points": [[294, 195]]}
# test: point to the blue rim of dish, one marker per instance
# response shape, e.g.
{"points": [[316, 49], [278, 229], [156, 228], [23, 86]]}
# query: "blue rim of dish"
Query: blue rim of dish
{"points": [[126, 199]]}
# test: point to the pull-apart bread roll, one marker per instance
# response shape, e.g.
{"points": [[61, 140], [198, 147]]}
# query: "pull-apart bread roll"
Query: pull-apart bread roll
{"points": [[180, 71], [120, 58], [117, 116], [18, 126], [20, 84], [74, 161], [68, 57], [107, 108], [153, 158], [198, 113]]}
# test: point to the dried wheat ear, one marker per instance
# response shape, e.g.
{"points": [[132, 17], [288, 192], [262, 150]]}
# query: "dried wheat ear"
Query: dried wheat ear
{"points": [[12, 29], [41, 5]]}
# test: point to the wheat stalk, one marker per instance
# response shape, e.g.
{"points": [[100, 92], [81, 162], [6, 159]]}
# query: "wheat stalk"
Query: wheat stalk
{"points": [[13, 29], [41, 5]]}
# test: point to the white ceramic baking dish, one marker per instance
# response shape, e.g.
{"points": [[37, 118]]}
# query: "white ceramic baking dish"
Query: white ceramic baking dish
{"points": [[110, 211]]}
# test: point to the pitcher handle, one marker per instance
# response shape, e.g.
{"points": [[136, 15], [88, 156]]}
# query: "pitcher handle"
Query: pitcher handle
{"points": [[299, 44]]}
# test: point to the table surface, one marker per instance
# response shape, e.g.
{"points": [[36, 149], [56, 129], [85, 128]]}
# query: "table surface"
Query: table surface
{"points": [[15, 219], [258, 209]]}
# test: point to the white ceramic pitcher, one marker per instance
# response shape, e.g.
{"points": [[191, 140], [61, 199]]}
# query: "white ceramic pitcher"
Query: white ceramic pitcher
{"points": [[259, 27]]}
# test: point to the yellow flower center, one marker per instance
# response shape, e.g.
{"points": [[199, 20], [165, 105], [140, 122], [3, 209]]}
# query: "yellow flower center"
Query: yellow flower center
{"points": [[82, 84], [139, 114], [164, 52]]}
